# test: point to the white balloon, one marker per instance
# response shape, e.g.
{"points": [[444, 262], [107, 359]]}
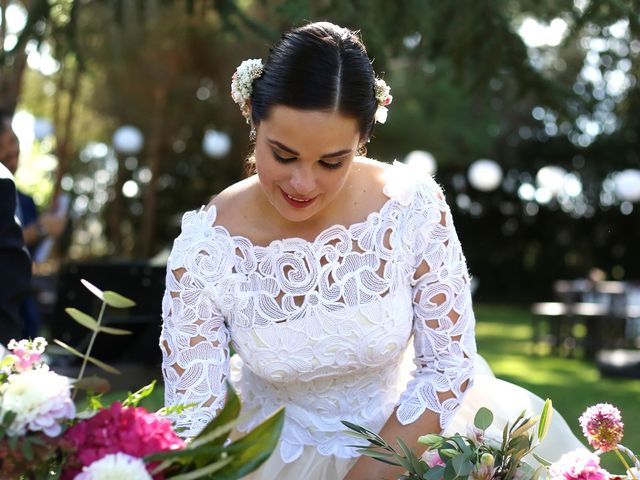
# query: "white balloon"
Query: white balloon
{"points": [[627, 185], [485, 175], [422, 161], [128, 140], [216, 144]]}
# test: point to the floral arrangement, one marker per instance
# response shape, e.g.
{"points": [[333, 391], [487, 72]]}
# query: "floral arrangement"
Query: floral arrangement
{"points": [[483, 453], [603, 428], [45, 436], [384, 99], [242, 84]]}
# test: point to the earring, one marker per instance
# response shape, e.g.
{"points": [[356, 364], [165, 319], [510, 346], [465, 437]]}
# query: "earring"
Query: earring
{"points": [[252, 134]]}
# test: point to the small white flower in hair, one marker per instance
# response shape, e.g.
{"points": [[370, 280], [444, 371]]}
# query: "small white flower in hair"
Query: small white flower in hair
{"points": [[242, 84], [384, 98]]}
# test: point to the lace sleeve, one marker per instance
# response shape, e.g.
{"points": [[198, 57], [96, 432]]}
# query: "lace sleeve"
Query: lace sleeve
{"points": [[444, 323], [194, 339]]}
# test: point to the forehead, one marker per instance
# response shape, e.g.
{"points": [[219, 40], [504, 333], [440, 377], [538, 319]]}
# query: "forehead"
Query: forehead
{"points": [[311, 128]]}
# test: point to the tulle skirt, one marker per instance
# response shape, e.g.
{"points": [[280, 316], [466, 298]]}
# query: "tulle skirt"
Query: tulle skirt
{"points": [[504, 399]]}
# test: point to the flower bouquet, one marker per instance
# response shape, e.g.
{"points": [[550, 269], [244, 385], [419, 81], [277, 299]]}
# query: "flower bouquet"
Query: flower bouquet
{"points": [[484, 453], [603, 428], [45, 436]]}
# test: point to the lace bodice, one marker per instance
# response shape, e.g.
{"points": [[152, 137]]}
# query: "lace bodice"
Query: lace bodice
{"points": [[321, 327]]}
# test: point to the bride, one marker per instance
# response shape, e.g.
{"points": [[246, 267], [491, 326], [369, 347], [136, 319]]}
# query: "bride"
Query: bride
{"points": [[325, 271]]}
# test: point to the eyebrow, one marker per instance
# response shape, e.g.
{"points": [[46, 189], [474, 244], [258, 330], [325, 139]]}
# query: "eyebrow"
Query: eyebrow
{"points": [[281, 146]]}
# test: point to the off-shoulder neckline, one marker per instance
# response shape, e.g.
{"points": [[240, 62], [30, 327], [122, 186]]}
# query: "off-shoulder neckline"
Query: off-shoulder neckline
{"points": [[319, 239]]}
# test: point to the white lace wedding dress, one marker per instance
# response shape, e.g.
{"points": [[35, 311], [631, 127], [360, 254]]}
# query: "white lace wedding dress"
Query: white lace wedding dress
{"points": [[325, 327]]}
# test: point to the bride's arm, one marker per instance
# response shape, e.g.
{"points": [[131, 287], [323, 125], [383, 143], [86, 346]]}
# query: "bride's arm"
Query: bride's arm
{"points": [[443, 334]]}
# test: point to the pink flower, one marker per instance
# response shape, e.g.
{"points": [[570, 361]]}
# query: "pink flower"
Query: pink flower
{"points": [[129, 430], [26, 353], [432, 458], [578, 465], [602, 426]]}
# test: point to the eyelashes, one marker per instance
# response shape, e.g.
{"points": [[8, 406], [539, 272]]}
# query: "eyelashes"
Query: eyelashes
{"points": [[286, 160]]}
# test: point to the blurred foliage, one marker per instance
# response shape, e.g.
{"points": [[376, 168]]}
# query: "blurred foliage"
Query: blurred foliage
{"points": [[464, 84]]}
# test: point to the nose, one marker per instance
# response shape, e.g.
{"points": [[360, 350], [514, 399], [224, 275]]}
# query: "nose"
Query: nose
{"points": [[303, 180]]}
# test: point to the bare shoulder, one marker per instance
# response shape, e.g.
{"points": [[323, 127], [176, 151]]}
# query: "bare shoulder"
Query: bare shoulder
{"points": [[369, 178], [230, 203]]}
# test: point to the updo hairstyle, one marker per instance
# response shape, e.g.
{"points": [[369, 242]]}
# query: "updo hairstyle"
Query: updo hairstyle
{"points": [[319, 66]]}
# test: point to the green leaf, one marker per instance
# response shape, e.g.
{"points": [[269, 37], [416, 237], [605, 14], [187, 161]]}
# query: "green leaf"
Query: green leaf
{"points": [[116, 300], [9, 417], [95, 361], [93, 289], [176, 408], [461, 465], [543, 461], [229, 413], [254, 448], [545, 419], [434, 473], [13, 443], [92, 324], [204, 471], [449, 472], [133, 399], [409, 454], [27, 450], [83, 319], [380, 456], [94, 402], [483, 418]]}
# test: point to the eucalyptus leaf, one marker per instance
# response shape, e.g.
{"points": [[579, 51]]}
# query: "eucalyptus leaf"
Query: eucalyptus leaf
{"points": [[483, 418], [95, 361], [83, 319], [93, 289], [116, 300]]}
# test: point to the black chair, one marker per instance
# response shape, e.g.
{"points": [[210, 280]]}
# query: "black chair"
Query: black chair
{"points": [[137, 280]]}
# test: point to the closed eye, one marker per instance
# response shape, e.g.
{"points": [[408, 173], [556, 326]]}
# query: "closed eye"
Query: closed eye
{"points": [[283, 159], [332, 166]]}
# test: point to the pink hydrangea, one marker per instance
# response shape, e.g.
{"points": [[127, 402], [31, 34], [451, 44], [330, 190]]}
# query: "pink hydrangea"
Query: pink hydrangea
{"points": [[130, 430], [602, 426], [578, 465]]}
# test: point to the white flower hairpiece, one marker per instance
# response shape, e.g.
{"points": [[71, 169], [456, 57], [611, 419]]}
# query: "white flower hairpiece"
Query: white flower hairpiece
{"points": [[383, 98], [242, 84]]}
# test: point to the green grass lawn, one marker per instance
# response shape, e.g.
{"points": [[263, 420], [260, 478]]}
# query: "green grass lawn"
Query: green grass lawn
{"points": [[504, 339]]}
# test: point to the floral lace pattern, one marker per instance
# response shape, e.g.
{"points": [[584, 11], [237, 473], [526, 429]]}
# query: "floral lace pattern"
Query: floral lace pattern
{"points": [[321, 327]]}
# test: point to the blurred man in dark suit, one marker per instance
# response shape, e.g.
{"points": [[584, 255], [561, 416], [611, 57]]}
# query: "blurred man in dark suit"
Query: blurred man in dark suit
{"points": [[15, 263]]}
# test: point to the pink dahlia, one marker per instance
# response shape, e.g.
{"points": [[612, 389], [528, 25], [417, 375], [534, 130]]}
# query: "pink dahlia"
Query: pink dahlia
{"points": [[118, 429], [578, 465], [602, 426]]}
